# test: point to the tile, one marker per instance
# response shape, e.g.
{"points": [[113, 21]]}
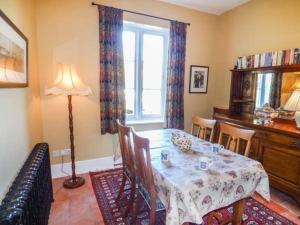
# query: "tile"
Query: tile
{"points": [[292, 206], [57, 184], [79, 212], [58, 220], [291, 216], [276, 207], [277, 195], [61, 195], [58, 208], [93, 202], [84, 221], [81, 198], [96, 215]]}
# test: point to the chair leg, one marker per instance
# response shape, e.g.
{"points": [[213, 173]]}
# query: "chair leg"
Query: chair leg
{"points": [[153, 209], [238, 208], [121, 190], [131, 199], [137, 208]]}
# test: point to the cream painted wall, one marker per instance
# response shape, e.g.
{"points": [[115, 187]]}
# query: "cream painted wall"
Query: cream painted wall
{"points": [[255, 27], [68, 31], [20, 114]]}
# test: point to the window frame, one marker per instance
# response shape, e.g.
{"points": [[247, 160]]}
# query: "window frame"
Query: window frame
{"points": [[140, 30]]}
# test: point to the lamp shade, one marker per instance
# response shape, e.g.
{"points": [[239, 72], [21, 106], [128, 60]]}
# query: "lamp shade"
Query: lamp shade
{"points": [[293, 104], [68, 83]]}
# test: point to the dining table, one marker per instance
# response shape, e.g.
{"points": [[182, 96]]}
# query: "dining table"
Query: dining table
{"points": [[189, 192]]}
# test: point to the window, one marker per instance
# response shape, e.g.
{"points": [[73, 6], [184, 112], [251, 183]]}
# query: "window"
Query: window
{"points": [[263, 89], [145, 58]]}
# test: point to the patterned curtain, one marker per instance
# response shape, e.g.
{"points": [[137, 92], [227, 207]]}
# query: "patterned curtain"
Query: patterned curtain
{"points": [[275, 92], [175, 80], [112, 80]]}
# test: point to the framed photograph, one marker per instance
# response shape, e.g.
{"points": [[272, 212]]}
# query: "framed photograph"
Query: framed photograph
{"points": [[13, 55], [198, 79]]}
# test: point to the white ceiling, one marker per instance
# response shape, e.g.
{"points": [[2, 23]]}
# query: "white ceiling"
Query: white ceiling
{"points": [[210, 6]]}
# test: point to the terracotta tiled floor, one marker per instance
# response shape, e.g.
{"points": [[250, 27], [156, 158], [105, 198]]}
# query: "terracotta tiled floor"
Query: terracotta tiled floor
{"points": [[79, 206]]}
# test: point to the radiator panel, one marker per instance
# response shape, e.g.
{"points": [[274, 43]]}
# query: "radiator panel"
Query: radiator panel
{"points": [[29, 198]]}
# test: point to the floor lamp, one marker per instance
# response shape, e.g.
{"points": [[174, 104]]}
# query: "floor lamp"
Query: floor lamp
{"points": [[68, 84]]}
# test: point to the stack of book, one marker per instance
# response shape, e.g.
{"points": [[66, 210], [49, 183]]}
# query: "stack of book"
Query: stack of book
{"points": [[284, 57]]}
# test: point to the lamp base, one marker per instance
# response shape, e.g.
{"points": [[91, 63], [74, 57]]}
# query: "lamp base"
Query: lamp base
{"points": [[297, 119], [74, 183]]}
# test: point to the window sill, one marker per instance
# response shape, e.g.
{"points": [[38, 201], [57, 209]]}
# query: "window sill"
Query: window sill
{"points": [[138, 122]]}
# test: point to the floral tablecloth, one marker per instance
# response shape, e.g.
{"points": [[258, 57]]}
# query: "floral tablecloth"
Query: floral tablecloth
{"points": [[188, 192]]}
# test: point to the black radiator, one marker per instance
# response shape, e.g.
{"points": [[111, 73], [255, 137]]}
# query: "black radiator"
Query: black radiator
{"points": [[29, 198]]}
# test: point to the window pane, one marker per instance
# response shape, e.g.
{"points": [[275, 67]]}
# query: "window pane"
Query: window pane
{"points": [[129, 95], [129, 74], [129, 66], [151, 102], [129, 45], [153, 53]]}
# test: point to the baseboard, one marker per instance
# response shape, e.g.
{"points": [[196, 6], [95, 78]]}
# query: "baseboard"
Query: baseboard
{"points": [[82, 166]]}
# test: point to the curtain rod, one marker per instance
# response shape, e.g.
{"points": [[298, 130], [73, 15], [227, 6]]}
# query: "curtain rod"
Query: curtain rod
{"points": [[143, 14]]}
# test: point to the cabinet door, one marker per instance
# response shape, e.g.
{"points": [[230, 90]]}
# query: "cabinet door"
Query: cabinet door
{"points": [[282, 162]]}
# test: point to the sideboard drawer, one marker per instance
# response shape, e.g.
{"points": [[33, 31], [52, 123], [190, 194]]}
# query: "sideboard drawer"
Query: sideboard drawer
{"points": [[281, 162], [278, 138]]}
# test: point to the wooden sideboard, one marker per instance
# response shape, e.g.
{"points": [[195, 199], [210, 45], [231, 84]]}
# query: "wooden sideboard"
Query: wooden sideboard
{"points": [[276, 146]]}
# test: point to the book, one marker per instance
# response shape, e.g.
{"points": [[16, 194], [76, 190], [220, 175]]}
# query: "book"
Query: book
{"points": [[291, 56], [268, 59], [239, 63], [296, 56], [279, 58], [252, 61], [274, 58], [286, 59], [244, 62], [262, 59], [256, 60]]}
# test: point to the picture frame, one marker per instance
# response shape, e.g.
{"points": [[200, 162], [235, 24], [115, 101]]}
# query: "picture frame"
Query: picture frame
{"points": [[13, 55], [198, 79]]}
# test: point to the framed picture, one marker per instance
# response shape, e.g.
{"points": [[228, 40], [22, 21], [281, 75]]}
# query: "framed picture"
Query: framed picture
{"points": [[198, 79], [13, 55]]}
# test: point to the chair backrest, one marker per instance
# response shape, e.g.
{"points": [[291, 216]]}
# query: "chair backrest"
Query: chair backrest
{"points": [[124, 133], [235, 137], [143, 162], [202, 127]]}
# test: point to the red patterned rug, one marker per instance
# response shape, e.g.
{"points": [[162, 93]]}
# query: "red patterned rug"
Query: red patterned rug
{"points": [[106, 185]]}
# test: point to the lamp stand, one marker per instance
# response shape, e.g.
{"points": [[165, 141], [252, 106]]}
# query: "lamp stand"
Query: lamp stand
{"points": [[74, 181], [297, 119]]}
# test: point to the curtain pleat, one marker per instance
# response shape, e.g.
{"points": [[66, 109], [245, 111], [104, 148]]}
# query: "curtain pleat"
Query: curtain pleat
{"points": [[275, 92], [175, 80], [112, 78]]}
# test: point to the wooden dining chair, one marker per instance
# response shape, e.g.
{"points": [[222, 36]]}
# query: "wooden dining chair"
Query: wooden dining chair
{"points": [[144, 173], [235, 135], [203, 127], [124, 133]]}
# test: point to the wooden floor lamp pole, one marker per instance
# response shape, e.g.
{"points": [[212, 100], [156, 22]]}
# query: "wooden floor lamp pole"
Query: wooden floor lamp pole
{"points": [[73, 181]]}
